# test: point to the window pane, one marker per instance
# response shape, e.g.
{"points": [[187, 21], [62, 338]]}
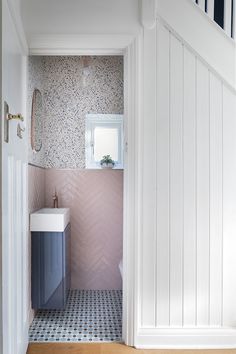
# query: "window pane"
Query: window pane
{"points": [[105, 143]]}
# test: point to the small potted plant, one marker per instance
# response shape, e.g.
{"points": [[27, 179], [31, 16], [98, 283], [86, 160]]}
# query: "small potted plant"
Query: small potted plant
{"points": [[107, 162]]}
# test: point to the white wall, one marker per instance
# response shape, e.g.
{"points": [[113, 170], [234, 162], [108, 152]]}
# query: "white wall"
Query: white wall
{"points": [[80, 17], [187, 279]]}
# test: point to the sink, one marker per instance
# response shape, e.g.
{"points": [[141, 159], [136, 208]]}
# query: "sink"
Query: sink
{"points": [[49, 219]]}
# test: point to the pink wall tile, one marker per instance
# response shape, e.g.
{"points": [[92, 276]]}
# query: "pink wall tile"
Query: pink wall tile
{"points": [[36, 188], [95, 198]]}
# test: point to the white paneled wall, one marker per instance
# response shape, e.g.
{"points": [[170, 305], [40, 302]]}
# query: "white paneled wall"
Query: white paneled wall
{"points": [[176, 182], [229, 208], [162, 183], [189, 197], [188, 249]]}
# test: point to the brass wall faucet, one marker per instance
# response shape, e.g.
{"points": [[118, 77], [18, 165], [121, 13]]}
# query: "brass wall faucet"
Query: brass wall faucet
{"points": [[55, 200]]}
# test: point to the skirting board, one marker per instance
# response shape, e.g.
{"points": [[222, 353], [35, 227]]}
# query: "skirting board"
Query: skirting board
{"points": [[209, 338]]}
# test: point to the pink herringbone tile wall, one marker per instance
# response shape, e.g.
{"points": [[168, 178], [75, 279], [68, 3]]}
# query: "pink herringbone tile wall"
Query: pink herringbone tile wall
{"points": [[95, 198], [36, 200]]}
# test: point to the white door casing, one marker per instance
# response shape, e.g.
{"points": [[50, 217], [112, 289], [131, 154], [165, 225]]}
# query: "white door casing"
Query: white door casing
{"points": [[131, 48], [14, 193]]}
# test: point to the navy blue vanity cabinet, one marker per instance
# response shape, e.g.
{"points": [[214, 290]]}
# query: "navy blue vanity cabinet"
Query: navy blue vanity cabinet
{"points": [[50, 269]]}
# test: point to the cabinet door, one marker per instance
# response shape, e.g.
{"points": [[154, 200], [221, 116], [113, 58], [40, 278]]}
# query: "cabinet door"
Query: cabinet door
{"points": [[52, 261], [67, 266]]}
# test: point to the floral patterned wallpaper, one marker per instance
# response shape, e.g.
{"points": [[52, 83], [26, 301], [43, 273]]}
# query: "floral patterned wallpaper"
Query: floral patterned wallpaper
{"points": [[72, 87]]}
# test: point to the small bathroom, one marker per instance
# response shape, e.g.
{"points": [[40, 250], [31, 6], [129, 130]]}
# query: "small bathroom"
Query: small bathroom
{"points": [[75, 108]]}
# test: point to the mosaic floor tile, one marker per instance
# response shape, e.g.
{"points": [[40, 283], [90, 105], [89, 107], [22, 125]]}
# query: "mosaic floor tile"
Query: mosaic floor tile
{"points": [[89, 316]]}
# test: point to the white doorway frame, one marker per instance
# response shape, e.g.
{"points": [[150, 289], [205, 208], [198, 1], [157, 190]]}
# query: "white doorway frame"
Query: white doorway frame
{"points": [[131, 48], [1, 205]]}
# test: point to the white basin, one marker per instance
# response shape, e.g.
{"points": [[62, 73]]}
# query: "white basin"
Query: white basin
{"points": [[49, 219]]}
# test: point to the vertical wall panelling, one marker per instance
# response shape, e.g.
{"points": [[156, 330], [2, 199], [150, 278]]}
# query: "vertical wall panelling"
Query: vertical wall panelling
{"points": [[188, 280], [203, 133], [162, 217], [11, 264], [148, 280], [19, 243], [229, 208], [14, 157], [26, 260], [215, 296], [176, 181], [189, 194]]}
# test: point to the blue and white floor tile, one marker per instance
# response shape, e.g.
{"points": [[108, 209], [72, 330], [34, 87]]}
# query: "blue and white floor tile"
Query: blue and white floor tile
{"points": [[89, 316]]}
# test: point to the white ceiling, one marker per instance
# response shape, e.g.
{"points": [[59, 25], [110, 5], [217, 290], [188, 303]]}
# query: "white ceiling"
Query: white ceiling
{"points": [[80, 16]]}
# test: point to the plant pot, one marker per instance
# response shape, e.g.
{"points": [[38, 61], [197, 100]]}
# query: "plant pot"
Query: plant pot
{"points": [[107, 165]]}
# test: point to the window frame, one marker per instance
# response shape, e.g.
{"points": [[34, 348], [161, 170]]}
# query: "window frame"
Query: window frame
{"points": [[104, 120]]}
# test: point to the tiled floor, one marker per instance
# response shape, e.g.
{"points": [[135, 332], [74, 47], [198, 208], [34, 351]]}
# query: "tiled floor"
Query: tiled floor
{"points": [[90, 316]]}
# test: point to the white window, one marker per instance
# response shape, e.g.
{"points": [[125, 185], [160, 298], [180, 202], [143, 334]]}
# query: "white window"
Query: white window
{"points": [[104, 136]]}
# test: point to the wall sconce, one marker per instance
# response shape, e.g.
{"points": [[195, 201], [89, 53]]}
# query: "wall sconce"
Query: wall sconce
{"points": [[86, 69]]}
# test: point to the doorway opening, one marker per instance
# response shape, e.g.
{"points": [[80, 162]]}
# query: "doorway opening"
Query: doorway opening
{"points": [[77, 120]]}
